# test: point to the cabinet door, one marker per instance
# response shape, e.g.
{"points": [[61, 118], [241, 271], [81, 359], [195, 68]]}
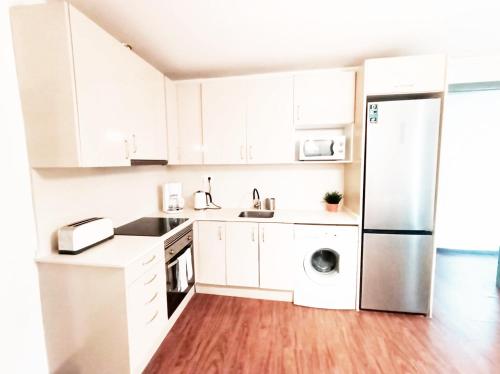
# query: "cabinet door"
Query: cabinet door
{"points": [[276, 256], [189, 132], [100, 68], [224, 121], [270, 120], [409, 74], [210, 253], [324, 99], [146, 109], [242, 254], [172, 130]]}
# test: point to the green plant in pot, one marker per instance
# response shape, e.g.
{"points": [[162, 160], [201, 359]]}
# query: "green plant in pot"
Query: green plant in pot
{"points": [[332, 200]]}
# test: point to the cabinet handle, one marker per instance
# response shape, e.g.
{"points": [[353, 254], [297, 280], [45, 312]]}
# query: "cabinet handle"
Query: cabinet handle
{"points": [[151, 280], [242, 152], [253, 234], [152, 318], [263, 236], [152, 299], [134, 144], [250, 153], [220, 233], [298, 113], [150, 260], [127, 151]]}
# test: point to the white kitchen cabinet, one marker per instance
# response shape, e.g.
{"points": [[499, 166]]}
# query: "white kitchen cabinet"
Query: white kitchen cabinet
{"points": [[104, 317], [324, 98], [188, 149], [242, 254], [210, 253], [172, 122], [409, 74], [224, 108], [146, 110], [276, 257], [270, 120], [87, 100]]}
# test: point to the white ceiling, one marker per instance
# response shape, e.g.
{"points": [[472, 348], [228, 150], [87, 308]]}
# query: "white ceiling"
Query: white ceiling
{"points": [[200, 38]]}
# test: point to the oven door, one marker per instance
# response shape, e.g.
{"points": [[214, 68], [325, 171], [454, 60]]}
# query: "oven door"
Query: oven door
{"points": [[180, 277]]}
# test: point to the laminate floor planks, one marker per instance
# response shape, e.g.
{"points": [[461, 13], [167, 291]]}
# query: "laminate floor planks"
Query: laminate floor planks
{"points": [[217, 334]]}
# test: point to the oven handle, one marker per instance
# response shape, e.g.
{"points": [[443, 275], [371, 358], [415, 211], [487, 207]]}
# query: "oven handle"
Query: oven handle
{"points": [[173, 264], [187, 247]]}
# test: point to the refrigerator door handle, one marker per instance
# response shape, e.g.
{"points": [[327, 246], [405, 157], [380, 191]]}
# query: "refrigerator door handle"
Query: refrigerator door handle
{"points": [[397, 232]]}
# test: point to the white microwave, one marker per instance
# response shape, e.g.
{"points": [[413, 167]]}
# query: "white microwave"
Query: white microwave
{"points": [[322, 147]]}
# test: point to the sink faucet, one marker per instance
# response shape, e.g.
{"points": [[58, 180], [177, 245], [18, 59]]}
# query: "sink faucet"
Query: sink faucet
{"points": [[256, 199]]}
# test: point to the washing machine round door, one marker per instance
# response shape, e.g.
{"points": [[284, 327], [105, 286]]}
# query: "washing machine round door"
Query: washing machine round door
{"points": [[322, 265]]}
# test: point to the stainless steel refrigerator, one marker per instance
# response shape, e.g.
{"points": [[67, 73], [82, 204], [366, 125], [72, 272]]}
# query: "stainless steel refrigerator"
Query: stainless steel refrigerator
{"points": [[401, 155]]}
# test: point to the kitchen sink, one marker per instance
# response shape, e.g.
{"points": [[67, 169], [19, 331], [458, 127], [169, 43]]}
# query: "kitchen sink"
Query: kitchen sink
{"points": [[256, 214]]}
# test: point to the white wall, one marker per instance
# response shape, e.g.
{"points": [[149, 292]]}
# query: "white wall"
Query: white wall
{"points": [[469, 181], [67, 195], [22, 346], [474, 69], [293, 186]]}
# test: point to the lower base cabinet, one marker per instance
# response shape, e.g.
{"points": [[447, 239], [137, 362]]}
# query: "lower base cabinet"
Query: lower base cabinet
{"points": [[242, 254], [102, 319], [276, 260], [245, 254], [210, 252]]}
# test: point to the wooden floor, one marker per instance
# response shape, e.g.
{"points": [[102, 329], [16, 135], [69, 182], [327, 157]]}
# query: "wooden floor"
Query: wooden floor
{"points": [[218, 334]]}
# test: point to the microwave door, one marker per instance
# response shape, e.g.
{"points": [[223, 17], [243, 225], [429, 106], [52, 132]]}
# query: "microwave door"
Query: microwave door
{"points": [[318, 148]]}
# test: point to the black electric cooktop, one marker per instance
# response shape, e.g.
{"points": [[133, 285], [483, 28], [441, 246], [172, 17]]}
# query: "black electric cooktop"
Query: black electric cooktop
{"points": [[149, 226]]}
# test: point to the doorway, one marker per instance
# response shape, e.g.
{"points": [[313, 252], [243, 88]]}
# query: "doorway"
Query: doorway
{"points": [[468, 212]]}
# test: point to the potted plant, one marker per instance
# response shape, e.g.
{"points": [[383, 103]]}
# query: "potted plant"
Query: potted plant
{"points": [[332, 200]]}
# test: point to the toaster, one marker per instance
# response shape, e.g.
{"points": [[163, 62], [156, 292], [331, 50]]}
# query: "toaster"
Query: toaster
{"points": [[79, 236]]}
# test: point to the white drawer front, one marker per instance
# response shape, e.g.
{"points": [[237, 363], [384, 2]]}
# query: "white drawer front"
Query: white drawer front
{"points": [[145, 263], [147, 312]]}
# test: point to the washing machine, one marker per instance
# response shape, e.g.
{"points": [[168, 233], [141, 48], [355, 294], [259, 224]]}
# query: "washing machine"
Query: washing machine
{"points": [[326, 266]]}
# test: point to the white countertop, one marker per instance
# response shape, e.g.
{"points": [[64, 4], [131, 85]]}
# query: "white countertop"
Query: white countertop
{"points": [[116, 253], [123, 249], [280, 216]]}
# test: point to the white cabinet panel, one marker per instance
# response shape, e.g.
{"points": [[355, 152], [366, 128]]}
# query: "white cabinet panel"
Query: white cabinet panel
{"points": [[172, 129], [87, 99], [276, 256], [409, 74], [270, 120], [100, 68], [210, 253], [189, 130], [324, 99], [146, 110], [242, 254], [224, 121]]}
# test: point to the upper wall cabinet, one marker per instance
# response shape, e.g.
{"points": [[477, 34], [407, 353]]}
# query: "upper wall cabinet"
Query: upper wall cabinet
{"points": [[248, 120], [187, 149], [87, 100], [224, 121], [172, 121], [270, 120], [324, 99], [403, 75]]}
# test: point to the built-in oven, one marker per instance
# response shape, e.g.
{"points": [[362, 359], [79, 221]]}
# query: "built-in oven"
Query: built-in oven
{"points": [[179, 266]]}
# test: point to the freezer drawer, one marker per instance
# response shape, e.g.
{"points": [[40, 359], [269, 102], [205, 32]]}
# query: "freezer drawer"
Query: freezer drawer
{"points": [[396, 272]]}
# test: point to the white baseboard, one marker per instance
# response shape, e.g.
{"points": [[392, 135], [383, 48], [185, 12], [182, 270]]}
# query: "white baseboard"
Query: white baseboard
{"points": [[252, 293]]}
